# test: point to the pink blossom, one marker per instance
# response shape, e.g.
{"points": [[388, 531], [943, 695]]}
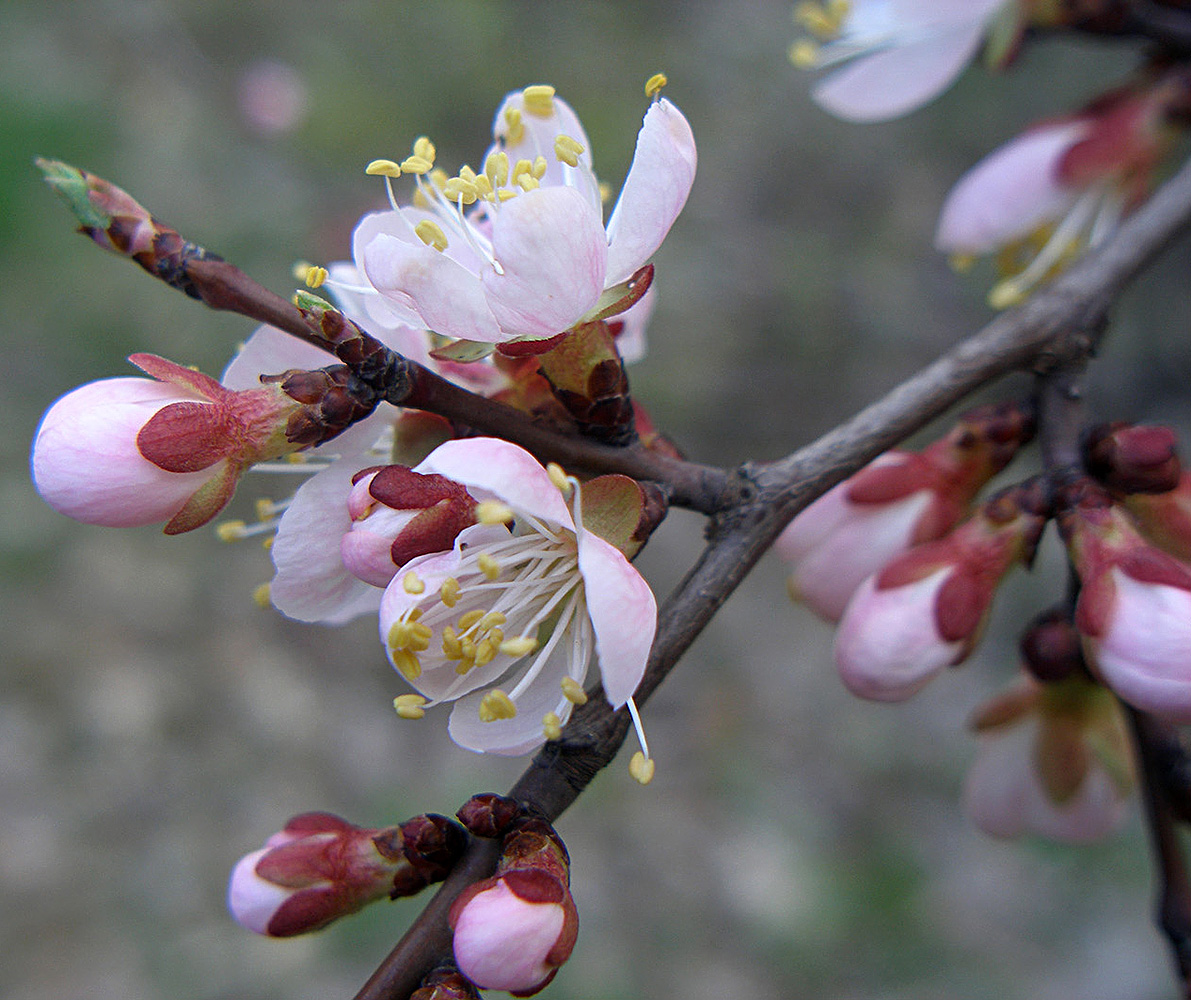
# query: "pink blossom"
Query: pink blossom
{"points": [[902, 53], [530, 257], [535, 599], [129, 451], [1052, 760], [1057, 188]]}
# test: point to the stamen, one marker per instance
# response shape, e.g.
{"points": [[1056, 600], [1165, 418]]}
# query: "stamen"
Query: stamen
{"points": [[493, 512], [460, 189], [315, 276], [654, 85], [567, 149], [496, 168], [430, 233], [516, 126], [383, 168], [497, 705], [804, 54], [539, 167], [539, 100], [262, 596], [467, 620], [488, 566], [521, 645], [573, 691], [551, 726], [410, 706], [492, 618], [407, 663], [449, 591], [231, 531], [411, 583], [605, 190], [416, 165], [424, 148], [641, 768], [559, 478]]}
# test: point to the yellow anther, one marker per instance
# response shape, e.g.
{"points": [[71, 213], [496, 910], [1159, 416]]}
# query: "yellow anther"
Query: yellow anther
{"points": [[231, 531], [469, 648], [467, 174], [315, 276], [485, 652], [654, 85], [383, 168], [521, 645], [559, 478], [804, 54], [568, 149], [490, 620], [430, 233], [267, 542], [527, 182], [496, 636], [407, 663], [539, 100], [484, 187], [496, 168], [504, 194], [488, 566], [516, 130], [451, 646], [961, 263], [605, 190], [424, 148], [460, 189], [465, 664], [497, 705], [413, 614], [467, 620], [449, 591], [551, 726], [416, 165], [493, 512], [411, 583], [299, 272], [641, 768], [261, 596], [297, 458], [410, 706], [823, 19], [1006, 294], [438, 177], [264, 508], [539, 167], [573, 691]]}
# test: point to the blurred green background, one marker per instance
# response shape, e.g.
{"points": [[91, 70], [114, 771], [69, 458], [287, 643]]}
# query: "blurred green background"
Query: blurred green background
{"points": [[155, 724]]}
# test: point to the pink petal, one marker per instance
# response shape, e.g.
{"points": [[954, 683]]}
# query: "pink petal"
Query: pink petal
{"points": [[551, 246], [393, 306], [537, 139], [504, 471], [501, 941], [898, 79], [623, 613], [448, 298], [270, 351], [311, 583], [654, 191], [251, 900], [1009, 193]]}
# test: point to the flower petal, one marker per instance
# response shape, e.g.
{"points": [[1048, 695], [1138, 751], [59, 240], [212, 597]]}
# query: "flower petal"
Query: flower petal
{"points": [[537, 135], [897, 80], [551, 246], [448, 298], [270, 351], [623, 613], [505, 471], [654, 191]]}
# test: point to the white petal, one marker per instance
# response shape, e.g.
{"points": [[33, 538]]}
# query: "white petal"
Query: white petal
{"points": [[270, 351], [654, 191]]}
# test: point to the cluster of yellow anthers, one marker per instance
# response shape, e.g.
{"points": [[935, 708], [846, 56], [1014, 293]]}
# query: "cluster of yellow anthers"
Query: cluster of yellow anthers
{"points": [[823, 20]]}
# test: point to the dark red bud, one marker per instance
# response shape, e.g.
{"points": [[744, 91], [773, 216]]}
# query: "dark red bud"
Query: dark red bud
{"points": [[1133, 458], [1050, 648], [446, 983], [489, 814], [432, 844]]}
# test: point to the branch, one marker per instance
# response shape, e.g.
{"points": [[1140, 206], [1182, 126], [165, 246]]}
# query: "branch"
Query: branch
{"points": [[1056, 327]]}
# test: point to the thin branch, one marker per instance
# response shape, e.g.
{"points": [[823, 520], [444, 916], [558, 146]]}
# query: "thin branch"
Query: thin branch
{"points": [[1056, 327]]}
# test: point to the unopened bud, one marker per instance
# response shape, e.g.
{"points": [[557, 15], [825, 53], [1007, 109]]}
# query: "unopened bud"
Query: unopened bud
{"points": [[1050, 648], [489, 814], [446, 983], [1133, 458]]}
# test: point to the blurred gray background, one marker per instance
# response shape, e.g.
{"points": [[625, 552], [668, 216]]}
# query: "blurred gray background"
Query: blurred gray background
{"points": [[155, 724]]}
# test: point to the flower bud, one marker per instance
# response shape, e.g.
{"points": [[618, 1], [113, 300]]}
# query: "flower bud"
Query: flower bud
{"points": [[398, 514], [1165, 518], [1050, 648], [321, 867], [900, 500], [126, 452], [1134, 609], [1133, 458], [445, 983], [514, 930], [926, 609], [1053, 760]]}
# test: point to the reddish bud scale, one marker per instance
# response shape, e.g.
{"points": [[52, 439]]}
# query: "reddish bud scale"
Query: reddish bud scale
{"points": [[1051, 649], [588, 378], [489, 815], [333, 399], [431, 844], [445, 509], [1129, 458], [1165, 518], [446, 983]]}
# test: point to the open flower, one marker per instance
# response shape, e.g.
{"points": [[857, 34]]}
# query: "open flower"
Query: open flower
{"points": [[903, 52], [1057, 189], [528, 594], [1053, 760], [519, 250]]}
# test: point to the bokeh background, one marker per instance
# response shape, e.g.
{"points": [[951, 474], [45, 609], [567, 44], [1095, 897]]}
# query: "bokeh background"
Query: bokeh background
{"points": [[155, 724]]}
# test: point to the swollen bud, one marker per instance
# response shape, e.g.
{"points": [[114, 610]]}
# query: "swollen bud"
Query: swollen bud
{"points": [[1133, 458], [320, 868], [1050, 648]]}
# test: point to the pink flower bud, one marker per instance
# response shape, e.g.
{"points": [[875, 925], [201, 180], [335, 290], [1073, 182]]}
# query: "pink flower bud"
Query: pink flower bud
{"points": [[1133, 458], [927, 608], [321, 867], [398, 514], [126, 452], [1053, 760], [513, 932], [901, 499]]}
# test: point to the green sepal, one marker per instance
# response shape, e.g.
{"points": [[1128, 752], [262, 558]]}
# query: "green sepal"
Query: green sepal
{"points": [[72, 184]]}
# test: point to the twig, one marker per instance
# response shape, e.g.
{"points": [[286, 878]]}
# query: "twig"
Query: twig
{"points": [[1056, 327]]}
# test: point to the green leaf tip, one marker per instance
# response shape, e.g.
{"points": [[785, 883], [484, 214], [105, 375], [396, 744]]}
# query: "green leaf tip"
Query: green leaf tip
{"points": [[74, 185], [309, 302]]}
